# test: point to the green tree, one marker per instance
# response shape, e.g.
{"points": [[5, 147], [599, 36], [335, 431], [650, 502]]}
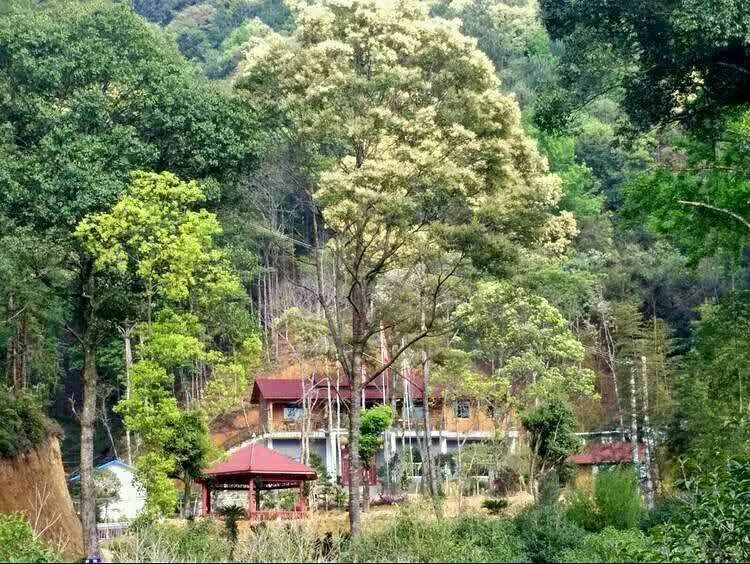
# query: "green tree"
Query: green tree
{"points": [[688, 58], [710, 418], [407, 132], [93, 89], [552, 439], [698, 198], [372, 424], [526, 342], [152, 413], [155, 238], [190, 448]]}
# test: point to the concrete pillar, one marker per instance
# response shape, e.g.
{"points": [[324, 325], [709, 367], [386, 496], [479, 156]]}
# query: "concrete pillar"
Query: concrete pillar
{"points": [[331, 454], [513, 434], [444, 445]]}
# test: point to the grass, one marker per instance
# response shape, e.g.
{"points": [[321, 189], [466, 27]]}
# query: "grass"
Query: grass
{"points": [[409, 533]]}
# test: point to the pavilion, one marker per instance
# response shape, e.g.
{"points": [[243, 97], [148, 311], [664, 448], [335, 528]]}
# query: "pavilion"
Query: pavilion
{"points": [[255, 468]]}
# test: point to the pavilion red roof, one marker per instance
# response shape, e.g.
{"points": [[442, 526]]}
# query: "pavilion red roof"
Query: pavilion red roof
{"points": [[606, 453], [256, 459]]}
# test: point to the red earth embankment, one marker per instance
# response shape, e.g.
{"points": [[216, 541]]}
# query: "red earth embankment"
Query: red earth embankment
{"points": [[34, 484]]}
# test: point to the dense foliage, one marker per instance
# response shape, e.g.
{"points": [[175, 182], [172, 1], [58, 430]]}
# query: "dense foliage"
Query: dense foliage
{"points": [[19, 542], [540, 207], [23, 424]]}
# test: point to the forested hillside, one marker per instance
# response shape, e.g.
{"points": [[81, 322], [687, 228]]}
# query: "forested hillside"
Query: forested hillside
{"points": [[539, 207]]}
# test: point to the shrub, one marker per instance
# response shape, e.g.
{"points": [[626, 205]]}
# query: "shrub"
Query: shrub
{"points": [[712, 522], [611, 545], [661, 514], [495, 506], [546, 532], [161, 541], [615, 502], [618, 499], [19, 543], [582, 510], [409, 538], [22, 423]]}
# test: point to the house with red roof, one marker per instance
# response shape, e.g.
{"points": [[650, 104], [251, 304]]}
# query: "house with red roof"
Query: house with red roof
{"points": [[604, 450], [311, 413]]}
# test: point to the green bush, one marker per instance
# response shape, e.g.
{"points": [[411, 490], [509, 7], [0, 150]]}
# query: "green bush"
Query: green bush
{"points": [[198, 541], [611, 545], [19, 543], [546, 532], [662, 513], [712, 523], [618, 499], [22, 423], [495, 506], [411, 539], [581, 509], [615, 502]]}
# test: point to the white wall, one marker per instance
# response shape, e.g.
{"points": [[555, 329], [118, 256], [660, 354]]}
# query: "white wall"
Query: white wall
{"points": [[132, 498]]}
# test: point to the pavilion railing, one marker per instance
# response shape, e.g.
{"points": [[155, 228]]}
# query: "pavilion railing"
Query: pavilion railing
{"points": [[275, 515]]}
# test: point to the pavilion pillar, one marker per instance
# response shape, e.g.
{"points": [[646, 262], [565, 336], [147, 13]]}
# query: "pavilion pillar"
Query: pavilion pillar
{"points": [[205, 499], [251, 498], [302, 501]]}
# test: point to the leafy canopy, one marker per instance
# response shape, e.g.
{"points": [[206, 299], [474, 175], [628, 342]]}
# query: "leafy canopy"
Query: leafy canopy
{"points": [[373, 422], [526, 341]]}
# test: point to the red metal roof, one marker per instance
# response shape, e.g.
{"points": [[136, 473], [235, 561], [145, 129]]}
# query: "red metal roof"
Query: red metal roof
{"points": [[258, 460], [277, 389], [606, 453]]}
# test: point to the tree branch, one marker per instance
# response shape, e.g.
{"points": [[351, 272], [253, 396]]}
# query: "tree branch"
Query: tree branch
{"points": [[730, 213]]}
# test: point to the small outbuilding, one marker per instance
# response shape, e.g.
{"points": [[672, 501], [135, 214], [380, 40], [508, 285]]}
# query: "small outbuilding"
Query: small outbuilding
{"points": [[256, 468], [120, 497], [597, 456]]}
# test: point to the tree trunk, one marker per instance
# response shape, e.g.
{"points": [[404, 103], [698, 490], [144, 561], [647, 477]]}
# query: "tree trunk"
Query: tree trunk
{"points": [[366, 490], [88, 415], [16, 350], [355, 466], [459, 481], [429, 473], [612, 362], [649, 484], [634, 428], [186, 497], [128, 346]]}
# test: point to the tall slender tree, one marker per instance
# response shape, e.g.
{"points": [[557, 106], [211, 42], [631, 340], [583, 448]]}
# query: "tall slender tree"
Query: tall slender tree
{"points": [[408, 137]]}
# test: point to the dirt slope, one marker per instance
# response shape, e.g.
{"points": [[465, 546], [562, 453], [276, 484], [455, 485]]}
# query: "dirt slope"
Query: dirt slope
{"points": [[34, 484]]}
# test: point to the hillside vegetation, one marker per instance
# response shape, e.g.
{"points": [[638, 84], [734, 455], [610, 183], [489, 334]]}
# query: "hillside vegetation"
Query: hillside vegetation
{"points": [[539, 207]]}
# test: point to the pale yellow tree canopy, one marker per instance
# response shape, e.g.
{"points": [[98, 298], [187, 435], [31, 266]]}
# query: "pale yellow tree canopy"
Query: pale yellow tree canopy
{"points": [[411, 127]]}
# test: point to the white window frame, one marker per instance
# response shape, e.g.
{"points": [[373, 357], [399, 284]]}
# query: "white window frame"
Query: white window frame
{"points": [[418, 411], [299, 412], [456, 409]]}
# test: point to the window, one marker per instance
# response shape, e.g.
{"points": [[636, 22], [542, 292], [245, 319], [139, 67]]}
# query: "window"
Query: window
{"points": [[417, 411], [461, 409], [293, 412]]}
